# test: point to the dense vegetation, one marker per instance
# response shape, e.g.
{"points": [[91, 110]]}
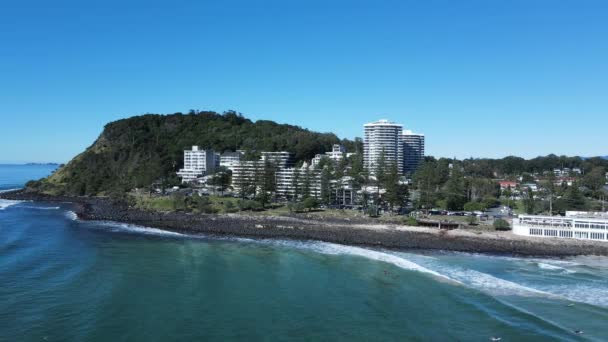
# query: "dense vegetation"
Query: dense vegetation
{"points": [[471, 184], [138, 151]]}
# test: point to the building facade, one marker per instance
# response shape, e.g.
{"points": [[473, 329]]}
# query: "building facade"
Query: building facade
{"points": [[382, 138], [413, 151], [230, 159], [337, 154], [297, 183], [279, 159], [582, 226], [197, 162]]}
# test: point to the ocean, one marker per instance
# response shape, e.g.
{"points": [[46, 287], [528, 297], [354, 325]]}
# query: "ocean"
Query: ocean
{"points": [[62, 279]]}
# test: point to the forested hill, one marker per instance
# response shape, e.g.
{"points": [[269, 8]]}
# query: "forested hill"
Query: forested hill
{"points": [[138, 151]]}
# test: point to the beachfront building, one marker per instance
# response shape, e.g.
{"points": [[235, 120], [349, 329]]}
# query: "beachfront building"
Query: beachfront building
{"points": [[197, 162], [403, 147], [337, 154], [247, 174], [230, 159], [575, 225], [382, 139], [413, 150], [280, 159], [297, 183]]}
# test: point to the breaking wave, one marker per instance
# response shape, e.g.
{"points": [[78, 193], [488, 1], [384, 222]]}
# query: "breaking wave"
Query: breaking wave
{"points": [[7, 203]]}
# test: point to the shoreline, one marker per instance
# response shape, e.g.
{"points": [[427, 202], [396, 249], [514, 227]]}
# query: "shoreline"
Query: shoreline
{"points": [[345, 232]]}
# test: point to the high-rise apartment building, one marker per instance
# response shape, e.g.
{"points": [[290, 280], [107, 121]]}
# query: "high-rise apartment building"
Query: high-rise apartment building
{"points": [[413, 151], [382, 139], [397, 145]]}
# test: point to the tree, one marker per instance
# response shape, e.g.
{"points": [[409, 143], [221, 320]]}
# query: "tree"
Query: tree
{"points": [[178, 201], [267, 183], [595, 179], [574, 198], [396, 193], [454, 191], [500, 224], [296, 184], [310, 203], [306, 184], [326, 186]]}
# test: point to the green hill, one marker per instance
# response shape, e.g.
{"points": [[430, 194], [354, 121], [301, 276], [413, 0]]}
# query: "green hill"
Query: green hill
{"points": [[138, 151]]}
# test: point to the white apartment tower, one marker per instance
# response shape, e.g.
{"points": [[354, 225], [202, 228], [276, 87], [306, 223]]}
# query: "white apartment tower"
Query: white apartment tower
{"points": [[382, 137], [413, 150], [196, 163]]}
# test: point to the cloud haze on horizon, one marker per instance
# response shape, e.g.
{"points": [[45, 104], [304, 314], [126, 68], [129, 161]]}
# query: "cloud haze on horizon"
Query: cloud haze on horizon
{"points": [[479, 78]]}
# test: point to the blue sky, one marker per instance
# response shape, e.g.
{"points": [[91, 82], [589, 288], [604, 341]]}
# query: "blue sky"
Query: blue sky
{"points": [[485, 78]]}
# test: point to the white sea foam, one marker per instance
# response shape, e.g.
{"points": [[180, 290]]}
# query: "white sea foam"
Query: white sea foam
{"points": [[335, 249], [41, 208], [7, 190], [71, 215], [551, 267], [7, 203], [589, 293], [125, 227]]}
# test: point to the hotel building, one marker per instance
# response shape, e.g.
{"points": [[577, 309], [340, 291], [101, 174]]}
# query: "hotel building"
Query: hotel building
{"points": [[197, 162]]}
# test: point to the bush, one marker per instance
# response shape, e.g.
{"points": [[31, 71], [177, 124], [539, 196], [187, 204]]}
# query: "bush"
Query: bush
{"points": [[372, 211], [245, 205], [474, 206], [411, 221], [500, 224], [310, 203], [472, 220], [229, 207]]}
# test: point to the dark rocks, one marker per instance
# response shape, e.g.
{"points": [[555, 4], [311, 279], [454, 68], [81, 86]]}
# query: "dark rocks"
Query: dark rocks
{"points": [[336, 231]]}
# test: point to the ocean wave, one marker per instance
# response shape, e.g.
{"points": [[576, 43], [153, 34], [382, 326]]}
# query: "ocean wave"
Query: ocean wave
{"points": [[551, 267], [336, 249], [7, 203], [590, 293], [71, 215], [40, 208], [131, 228], [7, 190]]}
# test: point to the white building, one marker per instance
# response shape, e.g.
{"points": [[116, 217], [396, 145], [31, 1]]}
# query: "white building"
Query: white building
{"points": [[306, 181], [197, 162], [244, 175], [413, 150], [230, 159], [338, 153], [382, 138], [279, 159], [581, 226]]}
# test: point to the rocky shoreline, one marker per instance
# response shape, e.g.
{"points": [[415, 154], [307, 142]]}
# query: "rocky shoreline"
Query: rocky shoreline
{"points": [[338, 231]]}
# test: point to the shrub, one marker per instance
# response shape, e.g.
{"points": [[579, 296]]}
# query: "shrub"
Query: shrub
{"points": [[500, 224], [474, 206], [472, 220], [411, 221], [310, 203], [372, 211], [249, 205]]}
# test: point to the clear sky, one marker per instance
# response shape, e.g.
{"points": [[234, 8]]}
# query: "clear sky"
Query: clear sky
{"points": [[485, 78]]}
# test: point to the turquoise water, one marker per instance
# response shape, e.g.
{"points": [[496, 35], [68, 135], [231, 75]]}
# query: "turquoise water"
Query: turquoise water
{"points": [[66, 280]]}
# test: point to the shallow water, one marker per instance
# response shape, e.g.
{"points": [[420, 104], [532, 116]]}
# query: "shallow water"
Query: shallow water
{"points": [[66, 280]]}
